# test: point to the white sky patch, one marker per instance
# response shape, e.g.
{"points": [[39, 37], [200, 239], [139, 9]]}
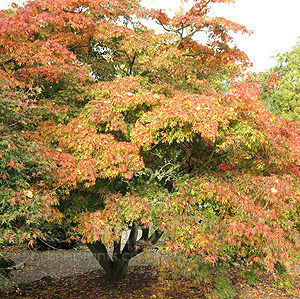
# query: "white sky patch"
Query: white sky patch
{"points": [[6, 3]]}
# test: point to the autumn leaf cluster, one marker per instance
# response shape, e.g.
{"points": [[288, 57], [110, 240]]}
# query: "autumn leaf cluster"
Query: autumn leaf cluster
{"points": [[108, 125]]}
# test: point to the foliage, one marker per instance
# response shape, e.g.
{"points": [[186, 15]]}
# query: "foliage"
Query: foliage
{"points": [[283, 99], [24, 198], [137, 130], [55, 236], [4, 265]]}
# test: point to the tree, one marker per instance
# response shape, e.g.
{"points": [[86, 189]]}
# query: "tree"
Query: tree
{"points": [[157, 134], [283, 99], [24, 199], [23, 194]]}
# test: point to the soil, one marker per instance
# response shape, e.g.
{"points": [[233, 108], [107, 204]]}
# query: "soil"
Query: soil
{"points": [[76, 274]]}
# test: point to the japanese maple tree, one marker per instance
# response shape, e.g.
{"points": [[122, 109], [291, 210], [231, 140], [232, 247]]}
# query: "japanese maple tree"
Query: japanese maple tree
{"points": [[155, 134]]}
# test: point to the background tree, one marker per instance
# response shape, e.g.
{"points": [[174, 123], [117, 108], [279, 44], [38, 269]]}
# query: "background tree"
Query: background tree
{"points": [[284, 100], [145, 133]]}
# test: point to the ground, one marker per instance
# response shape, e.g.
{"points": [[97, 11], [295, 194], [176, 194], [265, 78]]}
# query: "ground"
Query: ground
{"points": [[75, 274]]}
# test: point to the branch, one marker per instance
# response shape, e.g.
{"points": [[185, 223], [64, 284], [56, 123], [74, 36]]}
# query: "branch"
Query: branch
{"points": [[130, 249], [170, 170], [208, 160], [145, 233], [49, 245], [188, 36], [202, 166], [133, 235], [132, 63], [155, 237], [16, 267], [100, 253], [207, 2], [142, 244], [124, 71], [197, 53], [180, 30], [166, 173], [117, 249], [130, 245], [7, 61], [144, 73], [76, 45], [133, 246], [167, 29]]}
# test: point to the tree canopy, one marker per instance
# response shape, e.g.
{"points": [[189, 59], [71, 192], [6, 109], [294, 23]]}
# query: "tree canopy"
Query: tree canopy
{"points": [[110, 126], [284, 98]]}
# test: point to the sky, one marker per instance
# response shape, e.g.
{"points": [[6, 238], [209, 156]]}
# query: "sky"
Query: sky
{"points": [[275, 25]]}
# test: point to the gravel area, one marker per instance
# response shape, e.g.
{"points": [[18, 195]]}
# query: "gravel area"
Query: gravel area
{"points": [[35, 265]]}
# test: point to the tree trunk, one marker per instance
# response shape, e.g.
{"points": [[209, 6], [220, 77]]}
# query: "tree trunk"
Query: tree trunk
{"points": [[116, 266], [118, 271]]}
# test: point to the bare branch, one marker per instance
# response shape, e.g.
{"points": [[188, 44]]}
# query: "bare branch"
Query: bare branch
{"points": [[145, 233], [197, 53], [132, 63], [155, 237], [117, 248], [173, 168]]}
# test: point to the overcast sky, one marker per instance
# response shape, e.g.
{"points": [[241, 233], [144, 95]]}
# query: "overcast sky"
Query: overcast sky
{"points": [[275, 23]]}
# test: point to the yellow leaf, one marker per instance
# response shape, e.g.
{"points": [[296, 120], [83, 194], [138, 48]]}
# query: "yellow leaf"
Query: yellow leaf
{"points": [[274, 190], [29, 194]]}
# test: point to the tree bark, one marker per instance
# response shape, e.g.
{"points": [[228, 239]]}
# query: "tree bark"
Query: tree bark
{"points": [[118, 271], [116, 266]]}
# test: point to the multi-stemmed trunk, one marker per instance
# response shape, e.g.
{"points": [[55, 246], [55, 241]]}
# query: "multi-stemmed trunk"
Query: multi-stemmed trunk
{"points": [[116, 265]]}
